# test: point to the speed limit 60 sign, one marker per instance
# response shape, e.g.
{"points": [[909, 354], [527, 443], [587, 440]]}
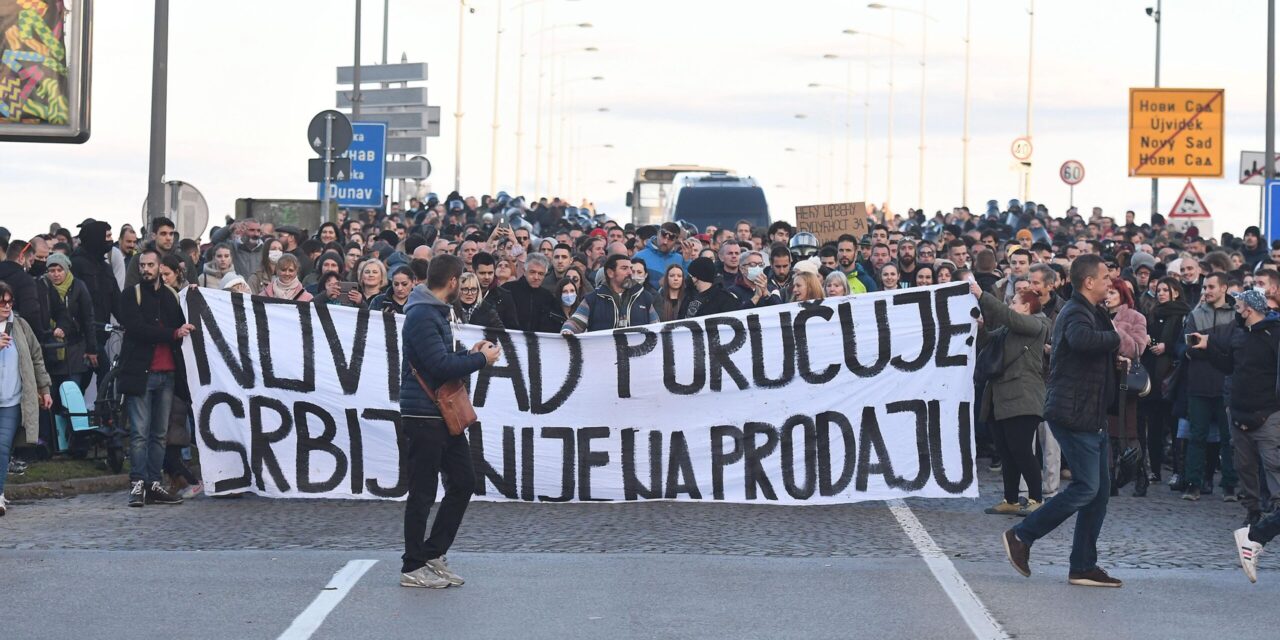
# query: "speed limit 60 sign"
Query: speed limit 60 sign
{"points": [[1072, 172]]}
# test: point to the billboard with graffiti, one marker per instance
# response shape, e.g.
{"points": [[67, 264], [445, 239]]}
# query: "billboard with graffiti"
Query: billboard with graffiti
{"points": [[45, 59]]}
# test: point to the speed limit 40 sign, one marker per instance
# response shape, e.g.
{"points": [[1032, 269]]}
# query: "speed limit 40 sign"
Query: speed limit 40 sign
{"points": [[1021, 149], [1072, 172]]}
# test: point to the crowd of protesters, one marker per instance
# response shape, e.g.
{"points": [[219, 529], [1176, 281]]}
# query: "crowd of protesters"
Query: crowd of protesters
{"points": [[1179, 303]]}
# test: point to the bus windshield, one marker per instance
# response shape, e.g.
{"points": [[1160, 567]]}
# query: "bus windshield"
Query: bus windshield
{"points": [[722, 206]]}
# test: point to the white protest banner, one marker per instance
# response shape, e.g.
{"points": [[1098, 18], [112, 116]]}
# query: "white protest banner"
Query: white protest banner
{"points": [[857, 398]]}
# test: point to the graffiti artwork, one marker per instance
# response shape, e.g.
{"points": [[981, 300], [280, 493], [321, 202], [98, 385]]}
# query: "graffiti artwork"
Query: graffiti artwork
{"points": [[44, 60]]}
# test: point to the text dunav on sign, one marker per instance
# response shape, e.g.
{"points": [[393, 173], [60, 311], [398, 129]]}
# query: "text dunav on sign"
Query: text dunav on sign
{"points": [[368, 153], [848, 399]]}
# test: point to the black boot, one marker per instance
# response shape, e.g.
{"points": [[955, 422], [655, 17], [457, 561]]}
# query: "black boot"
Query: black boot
{"points": [[1143, 478]]}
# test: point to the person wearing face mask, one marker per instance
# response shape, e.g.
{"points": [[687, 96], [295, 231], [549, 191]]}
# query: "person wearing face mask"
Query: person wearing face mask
{"points": [[618, 303], [267, 269], [429, 360], [567, 292], [640, 273], [750, 287]]}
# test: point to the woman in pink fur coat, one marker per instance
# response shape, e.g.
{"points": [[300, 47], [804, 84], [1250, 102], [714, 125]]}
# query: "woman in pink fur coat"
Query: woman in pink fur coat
{"points": [[1132, 327]]}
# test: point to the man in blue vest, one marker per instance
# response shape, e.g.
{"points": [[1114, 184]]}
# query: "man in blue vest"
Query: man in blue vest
{"points": [[618, 303]]}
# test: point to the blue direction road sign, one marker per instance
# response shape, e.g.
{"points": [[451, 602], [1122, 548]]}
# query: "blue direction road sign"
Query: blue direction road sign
{"points": [[368, 154], [1271, 207]]}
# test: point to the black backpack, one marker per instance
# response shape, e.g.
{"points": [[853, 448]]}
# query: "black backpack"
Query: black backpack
{"points": [[990, 364]]}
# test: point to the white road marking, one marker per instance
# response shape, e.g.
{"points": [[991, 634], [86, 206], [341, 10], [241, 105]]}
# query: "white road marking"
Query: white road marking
{"points": [[975, 614], [313, 616]]}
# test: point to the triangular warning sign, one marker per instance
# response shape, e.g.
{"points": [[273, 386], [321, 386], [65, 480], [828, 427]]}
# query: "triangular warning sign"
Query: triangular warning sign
{"points": [[1189, 204]]}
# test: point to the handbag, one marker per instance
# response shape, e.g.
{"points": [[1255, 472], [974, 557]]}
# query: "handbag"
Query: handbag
{"points": [[453, 402], [1137, 380], [989, 364]]}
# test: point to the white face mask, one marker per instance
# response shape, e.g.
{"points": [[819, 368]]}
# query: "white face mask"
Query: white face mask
{"points": [[638, 277], [1260, 289], [754, 272], [274, 255], [568, 298]]}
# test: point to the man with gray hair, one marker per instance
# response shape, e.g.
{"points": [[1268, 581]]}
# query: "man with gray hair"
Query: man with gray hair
{"points": [[532, 306]]}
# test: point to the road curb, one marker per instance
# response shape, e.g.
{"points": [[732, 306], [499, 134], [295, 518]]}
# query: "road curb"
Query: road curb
{"points": [[67, 488]]}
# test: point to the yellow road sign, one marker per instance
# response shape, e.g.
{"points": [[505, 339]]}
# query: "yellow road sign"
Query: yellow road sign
{"points": [[1176, 132]]}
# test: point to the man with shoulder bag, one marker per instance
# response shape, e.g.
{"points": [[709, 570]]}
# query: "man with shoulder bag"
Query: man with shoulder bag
{"points": [[436, 411], [1249, 356]]}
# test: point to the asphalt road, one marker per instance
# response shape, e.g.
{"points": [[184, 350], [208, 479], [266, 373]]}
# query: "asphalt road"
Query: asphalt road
{"points": [[88, 567]]}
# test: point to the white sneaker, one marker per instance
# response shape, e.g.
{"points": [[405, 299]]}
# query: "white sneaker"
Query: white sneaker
{"points": [[423, 577], [191, 491], [1249, 552], [440, 567], [4, 504]]}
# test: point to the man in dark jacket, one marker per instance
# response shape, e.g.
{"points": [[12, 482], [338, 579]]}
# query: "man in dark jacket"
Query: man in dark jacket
{"points": [[708, 298], [429, 361], [1206, 407], [1082, 381], [751, 287], [613, 305], [13, 271], [150, 369], [531, 306], [89, 265], [1249, 356]]}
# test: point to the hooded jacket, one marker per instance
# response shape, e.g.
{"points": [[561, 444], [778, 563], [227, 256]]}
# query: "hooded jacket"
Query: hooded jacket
{"points": [[89, 265], [428, 346], [75, 317], [658, 261], [1250, 356]]}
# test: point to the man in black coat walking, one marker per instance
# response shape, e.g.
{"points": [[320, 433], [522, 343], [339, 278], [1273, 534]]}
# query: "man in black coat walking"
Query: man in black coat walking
{"points": [[89, 265], [1082, 382]]}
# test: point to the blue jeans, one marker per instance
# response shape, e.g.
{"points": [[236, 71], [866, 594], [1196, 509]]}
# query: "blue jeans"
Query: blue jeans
{"points": [[148, 424], [10, 422], [1086, 453]]}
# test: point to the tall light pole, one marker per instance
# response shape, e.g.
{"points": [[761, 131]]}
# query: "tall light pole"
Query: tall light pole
{"points": [[866, 109], [1031, 49], [457, 111], [964, 138], [1269, 162], [848, 116], [543, 56], [924, 41], [520, 103], [564, 117], [1156, 14], [497, 84], [893, 53]]}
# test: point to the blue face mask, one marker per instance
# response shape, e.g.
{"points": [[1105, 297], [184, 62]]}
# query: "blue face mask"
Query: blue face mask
{"points": [[568, 298]]}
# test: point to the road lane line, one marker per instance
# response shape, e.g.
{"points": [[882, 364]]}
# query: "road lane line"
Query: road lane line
{"points": [[975, 614], [313, 616]]}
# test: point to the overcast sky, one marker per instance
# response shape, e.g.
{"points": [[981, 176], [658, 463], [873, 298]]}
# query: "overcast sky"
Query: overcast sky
{"points": [[690, 81]]}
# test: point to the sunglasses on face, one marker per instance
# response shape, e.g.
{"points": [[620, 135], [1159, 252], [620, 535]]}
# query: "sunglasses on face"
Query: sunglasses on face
{"points": [[668, 234], [7, 302]]}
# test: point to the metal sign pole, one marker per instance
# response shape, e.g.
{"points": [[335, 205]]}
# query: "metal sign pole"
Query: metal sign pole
{"points": [[1071, 201], [328, 164]]}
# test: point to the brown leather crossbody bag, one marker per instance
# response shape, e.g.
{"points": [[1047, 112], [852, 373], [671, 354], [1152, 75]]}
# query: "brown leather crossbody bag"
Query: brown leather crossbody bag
{"points": [[452, 401]]}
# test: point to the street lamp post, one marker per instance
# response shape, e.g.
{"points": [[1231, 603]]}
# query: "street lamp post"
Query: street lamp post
{"points": [[924, 40], [1156, 14], [848, 117], [497, 79], [457, 112], [551, 84], [964, 138], [866, 110], [1031, 48]]}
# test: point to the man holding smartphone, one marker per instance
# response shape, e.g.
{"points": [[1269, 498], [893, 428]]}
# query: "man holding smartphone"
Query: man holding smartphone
{"points": [[1206, 408], [432, 451]]}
